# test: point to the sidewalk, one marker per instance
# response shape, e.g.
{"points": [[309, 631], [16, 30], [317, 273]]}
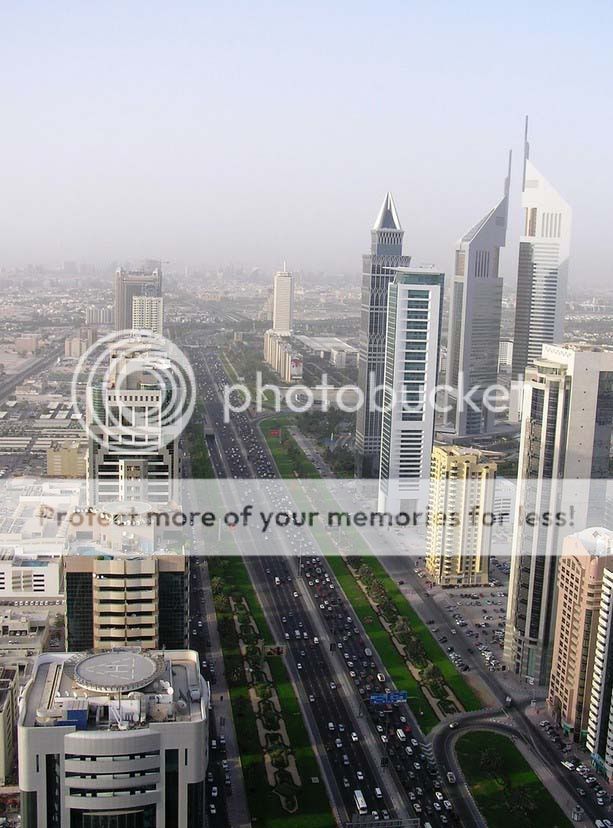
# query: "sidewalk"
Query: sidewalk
{"points": [[236, 805]]}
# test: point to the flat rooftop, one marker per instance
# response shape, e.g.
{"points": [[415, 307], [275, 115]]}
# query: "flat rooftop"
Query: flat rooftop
{"points": [[326, 343], [114, 690]]}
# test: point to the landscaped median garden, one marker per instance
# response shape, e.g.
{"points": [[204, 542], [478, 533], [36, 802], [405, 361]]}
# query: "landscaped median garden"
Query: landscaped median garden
{"points": [[277, 759], [413, 658], [291, 461], [281, 773], [506, 789]]}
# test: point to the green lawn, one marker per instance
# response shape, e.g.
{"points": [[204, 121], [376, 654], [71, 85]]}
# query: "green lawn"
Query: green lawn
{"points": [[289, 457], [264, 806], [234, 574], [435, 654], [506, 789], [198, 452]]}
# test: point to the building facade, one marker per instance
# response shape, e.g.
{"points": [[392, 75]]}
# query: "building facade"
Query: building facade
{"points": [[542, 272], [128, 455], [67, 459], [474, 321], [584, 558], [123, 600], [114, 739], [414, 312], [148, 314], [131, 283], [9, 690], [377, 275], [599, 740], [567, 413], [282, 357], [459, 533], [283, 303]]}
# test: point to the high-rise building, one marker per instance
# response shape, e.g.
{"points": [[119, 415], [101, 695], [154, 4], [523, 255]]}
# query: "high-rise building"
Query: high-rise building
{"points": [[505, 355], [129, 457], [599, 740], [474, 321], [414, 312], [542, 273], [459, 533], [131, 283], [128, 600], [283, 303], [585, 555], [567, 414], [377, 275], [148, 314], [114, 739]]}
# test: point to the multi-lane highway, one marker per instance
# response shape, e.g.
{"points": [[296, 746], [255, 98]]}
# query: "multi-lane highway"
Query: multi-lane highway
{"points": [[331, 660]]}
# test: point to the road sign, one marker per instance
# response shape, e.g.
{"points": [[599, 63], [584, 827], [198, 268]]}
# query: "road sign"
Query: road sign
{"points": [[389, 698]]}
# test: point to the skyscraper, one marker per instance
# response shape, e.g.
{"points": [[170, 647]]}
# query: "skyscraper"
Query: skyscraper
{"points": [[458, 547], [474, 319], [377, 275], [600, 721], [542, 272], [565, 442], [414, 312], [585, 556], [128, 455], [283, 303], [131, 283]]}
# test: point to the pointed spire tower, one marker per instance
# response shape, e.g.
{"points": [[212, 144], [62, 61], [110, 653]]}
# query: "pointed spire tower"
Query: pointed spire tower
{"points": [[474, 318], [542, 273], [377, 275], [387, 232]]}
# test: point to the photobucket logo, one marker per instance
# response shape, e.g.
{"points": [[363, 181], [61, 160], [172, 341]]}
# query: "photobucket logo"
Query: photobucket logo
{"points": [[411, 398], [133, 391]]}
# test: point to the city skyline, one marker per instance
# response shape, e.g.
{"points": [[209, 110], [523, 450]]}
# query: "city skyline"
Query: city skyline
{"points": [[286, 540]]}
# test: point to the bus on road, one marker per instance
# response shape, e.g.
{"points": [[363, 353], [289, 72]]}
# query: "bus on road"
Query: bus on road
{"points": [[360, 802]]}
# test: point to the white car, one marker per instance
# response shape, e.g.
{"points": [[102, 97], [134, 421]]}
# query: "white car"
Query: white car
{"points": [[354, 736]]}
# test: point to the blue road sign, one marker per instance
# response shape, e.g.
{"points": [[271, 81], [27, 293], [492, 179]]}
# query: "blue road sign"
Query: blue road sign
{"points": [[389, 698]]}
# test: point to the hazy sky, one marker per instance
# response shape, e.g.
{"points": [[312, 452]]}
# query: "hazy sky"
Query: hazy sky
{"points": [[256, 132]]}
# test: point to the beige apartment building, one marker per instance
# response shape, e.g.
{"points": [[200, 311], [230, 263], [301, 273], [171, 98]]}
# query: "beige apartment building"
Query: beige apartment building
{"points": [[581, 567], [67, 459], [125, 601], [458, 542]]}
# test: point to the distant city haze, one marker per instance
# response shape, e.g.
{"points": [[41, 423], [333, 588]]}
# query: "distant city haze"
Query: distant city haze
{"points": [[203, 134]]}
